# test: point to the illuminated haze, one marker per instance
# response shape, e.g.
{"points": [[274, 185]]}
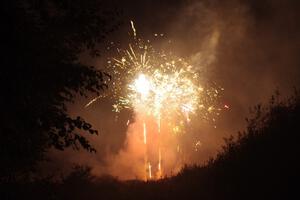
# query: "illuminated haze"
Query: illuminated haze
{"points": [[250, 48]]}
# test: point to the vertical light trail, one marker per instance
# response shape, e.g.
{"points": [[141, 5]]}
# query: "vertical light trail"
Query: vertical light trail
{"points": [[158, 123], [159, 163], [159, 174], [149, 170], [133, 28], [145, 142], [145, 133]]}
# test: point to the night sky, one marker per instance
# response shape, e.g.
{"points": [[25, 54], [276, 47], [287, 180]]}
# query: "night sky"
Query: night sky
{"points": [[257, 52]]}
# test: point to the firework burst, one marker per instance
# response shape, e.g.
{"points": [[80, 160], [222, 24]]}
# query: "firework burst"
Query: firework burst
{"points": [[162, 87]]}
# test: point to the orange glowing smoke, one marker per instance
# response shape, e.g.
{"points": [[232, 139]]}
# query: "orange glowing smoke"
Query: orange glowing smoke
{"points": [[164, 91]]}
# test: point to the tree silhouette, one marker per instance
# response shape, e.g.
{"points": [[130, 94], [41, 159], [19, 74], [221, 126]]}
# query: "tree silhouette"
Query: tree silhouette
{"points": [[41, 72]]}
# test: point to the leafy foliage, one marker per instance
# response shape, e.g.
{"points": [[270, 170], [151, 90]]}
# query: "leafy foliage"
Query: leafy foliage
{"points": [[41, 73]]}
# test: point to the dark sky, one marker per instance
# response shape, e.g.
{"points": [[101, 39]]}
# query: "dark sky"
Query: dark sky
{"points": [[256, 52]]}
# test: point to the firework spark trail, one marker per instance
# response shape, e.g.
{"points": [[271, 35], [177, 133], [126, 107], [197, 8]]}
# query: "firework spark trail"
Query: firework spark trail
{"points": [[92, 101], [145, 133], [149, 170], [159, 163], [147, 163], [163, 87], [133, 28]]}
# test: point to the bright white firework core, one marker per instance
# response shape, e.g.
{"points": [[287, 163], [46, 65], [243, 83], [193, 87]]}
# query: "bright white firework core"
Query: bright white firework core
{"points": [[142, 85]]}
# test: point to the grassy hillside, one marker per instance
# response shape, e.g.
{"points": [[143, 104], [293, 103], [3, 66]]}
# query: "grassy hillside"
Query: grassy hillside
{"points": [[261, 163]]}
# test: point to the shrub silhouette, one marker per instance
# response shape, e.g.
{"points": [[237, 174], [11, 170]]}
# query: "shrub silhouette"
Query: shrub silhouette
{"points": [[261, 163]]}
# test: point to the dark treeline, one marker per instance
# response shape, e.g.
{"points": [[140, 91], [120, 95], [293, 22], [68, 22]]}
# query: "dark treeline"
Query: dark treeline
{"points": [[41, 72], [261, 163]]}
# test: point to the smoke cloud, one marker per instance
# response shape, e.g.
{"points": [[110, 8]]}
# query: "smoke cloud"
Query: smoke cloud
{"points": [[250, 48]]}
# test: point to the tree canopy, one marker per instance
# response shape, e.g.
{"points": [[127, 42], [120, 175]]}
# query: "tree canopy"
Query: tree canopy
{"points": [[41, 73]]}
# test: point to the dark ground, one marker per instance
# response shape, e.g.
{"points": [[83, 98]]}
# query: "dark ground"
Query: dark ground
{"points": [[262, 163]]}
